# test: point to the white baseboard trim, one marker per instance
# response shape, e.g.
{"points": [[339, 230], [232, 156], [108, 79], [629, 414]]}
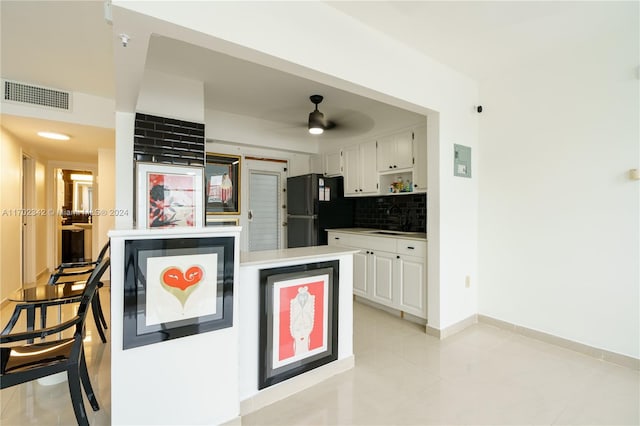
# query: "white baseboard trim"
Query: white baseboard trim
{"points": [[392, 311], [615, 358], [42, 273], [294, 385], [452, 329], [4, 303]]}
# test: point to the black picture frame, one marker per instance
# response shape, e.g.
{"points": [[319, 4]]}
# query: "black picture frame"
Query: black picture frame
{"points": [[222, 184], [278, 284], [213, 295]]}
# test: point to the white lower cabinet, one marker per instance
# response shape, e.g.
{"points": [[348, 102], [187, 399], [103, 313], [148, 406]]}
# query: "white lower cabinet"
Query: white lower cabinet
{"points": [[412, 297], [383, 277], [388, 271], [361, 285]]}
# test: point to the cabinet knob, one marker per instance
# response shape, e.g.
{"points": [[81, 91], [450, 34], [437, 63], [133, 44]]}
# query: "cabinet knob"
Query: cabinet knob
{"points": [[397, 257], [395, 167]]}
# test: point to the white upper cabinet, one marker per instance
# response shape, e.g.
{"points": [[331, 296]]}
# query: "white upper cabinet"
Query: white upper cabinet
{"points": [[420, 154], [351, 170], [368, 174], [395, 152], [360, 174], [333, 163], [377, 167]]}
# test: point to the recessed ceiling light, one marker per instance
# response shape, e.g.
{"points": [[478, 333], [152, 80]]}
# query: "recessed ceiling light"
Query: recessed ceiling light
{"points": [[56, 136]]}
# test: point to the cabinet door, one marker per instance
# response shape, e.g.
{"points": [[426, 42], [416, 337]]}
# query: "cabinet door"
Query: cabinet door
{"points": [[420, 153], [385, 154], [361, 278], [333, 164], [352, 170], [382, 277], [368, 170], [412, 297], [403, 143]]}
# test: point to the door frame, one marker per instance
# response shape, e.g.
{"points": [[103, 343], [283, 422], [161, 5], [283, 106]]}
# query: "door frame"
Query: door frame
{"points": [[53, 242], [27, 221], [267, 166]]}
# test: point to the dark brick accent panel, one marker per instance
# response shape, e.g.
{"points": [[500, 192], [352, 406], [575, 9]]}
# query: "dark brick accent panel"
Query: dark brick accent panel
{"points": [[392, 212], [169, 141]]}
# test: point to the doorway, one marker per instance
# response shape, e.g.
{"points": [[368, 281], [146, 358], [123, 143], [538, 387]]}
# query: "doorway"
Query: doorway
{"points": [[74, 206], [266, 204]]}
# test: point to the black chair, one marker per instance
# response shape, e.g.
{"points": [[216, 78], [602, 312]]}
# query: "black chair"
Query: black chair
{"points": [[71, 270], [27, 362]]}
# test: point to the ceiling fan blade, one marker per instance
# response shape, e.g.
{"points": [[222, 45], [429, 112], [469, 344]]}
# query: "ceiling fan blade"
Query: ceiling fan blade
{"points": [[328, 124]]}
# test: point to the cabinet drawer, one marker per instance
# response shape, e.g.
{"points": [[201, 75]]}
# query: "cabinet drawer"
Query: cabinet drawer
{"points": [[373, 243], [338, 239], [412, 247]]}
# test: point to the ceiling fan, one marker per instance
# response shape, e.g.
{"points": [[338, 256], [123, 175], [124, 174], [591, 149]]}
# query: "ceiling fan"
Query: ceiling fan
{"points": [[317, 123]]}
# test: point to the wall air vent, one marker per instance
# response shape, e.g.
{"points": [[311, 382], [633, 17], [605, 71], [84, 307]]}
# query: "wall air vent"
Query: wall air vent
{"points": [[36, 95]]}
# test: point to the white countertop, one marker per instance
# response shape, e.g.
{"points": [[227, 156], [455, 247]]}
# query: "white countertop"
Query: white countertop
{"points": [[383, 233], [273, 256]]}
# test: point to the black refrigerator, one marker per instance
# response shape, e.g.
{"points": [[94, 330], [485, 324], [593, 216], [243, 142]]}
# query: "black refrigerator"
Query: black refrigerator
{"points": [[314, 204]]}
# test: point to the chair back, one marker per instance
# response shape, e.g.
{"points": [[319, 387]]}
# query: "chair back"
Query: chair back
{"points": [[103, 251], [77, 269], [90, 290]]}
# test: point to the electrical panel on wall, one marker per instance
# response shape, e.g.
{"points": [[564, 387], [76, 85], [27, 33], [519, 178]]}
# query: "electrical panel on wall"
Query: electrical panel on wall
{"points": [[461, 161]]}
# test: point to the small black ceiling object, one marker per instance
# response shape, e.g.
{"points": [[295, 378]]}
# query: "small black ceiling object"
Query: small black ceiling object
{"points": [[317, 123], [316, 118]]}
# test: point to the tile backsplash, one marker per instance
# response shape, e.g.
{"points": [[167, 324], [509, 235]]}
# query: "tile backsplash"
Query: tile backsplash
{"points": [[167, 140], [393, 212]]}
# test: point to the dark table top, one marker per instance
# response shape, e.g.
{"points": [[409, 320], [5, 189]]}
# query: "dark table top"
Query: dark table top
{"points": [[48, 293]]}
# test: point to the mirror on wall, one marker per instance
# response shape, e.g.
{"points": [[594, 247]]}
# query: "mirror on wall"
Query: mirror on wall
{"points": [[77, 196]]}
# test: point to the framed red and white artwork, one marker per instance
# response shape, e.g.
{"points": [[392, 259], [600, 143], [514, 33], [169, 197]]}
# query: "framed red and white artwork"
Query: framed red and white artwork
{"points": [[299, 317], [169, 196]]}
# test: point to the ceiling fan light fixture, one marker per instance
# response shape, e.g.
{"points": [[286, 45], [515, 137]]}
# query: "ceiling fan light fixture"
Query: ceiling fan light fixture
{"points": [[316, 118], [316, 122]]}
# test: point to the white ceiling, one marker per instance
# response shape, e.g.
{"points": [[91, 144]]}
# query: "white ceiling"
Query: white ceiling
{"points": [[478, 38], [68, 45]]}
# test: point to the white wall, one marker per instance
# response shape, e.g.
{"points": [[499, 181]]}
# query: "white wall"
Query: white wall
{"points": [[345, 57], [559, 245], [106, 197], [10, 224], [184, 381], [171, 96], [41, 220], [85, 109], [246, 130]]}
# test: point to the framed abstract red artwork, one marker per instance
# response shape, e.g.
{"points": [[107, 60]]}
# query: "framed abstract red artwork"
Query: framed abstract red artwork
{"points": [[169, 196], [299, 317], [176, 287]]}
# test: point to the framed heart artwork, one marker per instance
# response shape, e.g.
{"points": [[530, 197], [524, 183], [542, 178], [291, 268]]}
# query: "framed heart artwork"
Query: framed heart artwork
{"points": [[176, 287]]}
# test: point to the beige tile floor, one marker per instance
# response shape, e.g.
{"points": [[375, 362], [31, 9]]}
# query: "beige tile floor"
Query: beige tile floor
{"points": [[481, 376]]}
